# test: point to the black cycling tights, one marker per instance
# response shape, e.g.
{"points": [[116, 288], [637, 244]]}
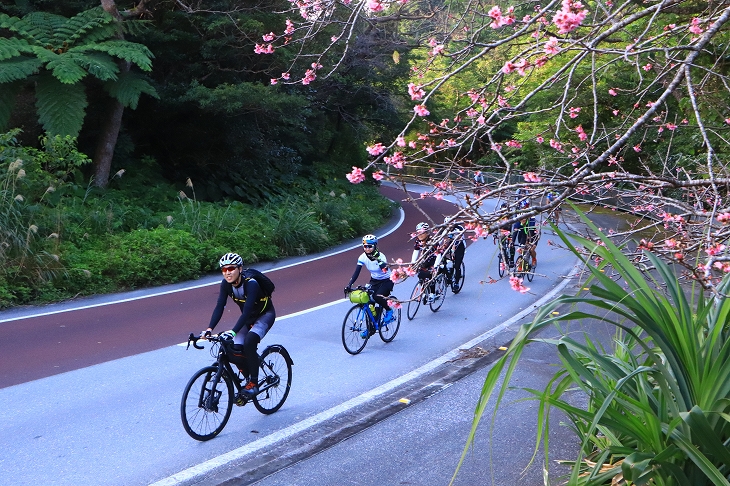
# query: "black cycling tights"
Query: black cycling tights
{"points": [[250, 345]]}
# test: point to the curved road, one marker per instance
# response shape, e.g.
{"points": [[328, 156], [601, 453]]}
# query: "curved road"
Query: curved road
{"points": [[76, 339], [103, 403]]}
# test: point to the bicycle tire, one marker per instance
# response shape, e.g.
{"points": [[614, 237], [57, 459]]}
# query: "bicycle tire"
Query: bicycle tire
{"points": [[502, 266], [415, 302], [440, 296], [353, 326], [520, 267], [460, 284], [200, 405], [274, 380], [388, 331], [530, 274]]}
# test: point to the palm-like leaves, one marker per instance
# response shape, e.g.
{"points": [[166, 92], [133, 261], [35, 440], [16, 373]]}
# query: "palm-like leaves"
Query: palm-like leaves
{"points": [[659, 402], [58, 53]]}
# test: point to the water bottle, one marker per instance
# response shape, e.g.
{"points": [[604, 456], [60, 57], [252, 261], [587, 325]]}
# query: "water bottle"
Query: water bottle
{"points": [[372, 308]]}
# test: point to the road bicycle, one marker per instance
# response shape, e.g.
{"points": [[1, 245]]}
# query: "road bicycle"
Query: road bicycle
{"points": [[361, 322], [505, 250], [448, 268], [210, 394], [523, 264], [421, 295]]}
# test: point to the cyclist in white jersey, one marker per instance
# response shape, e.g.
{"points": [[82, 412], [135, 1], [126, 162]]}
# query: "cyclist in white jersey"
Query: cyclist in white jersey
{"points": [[380, 282]]}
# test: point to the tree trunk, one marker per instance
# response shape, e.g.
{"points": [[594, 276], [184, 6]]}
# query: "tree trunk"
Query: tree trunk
{"points": [[106, 143], [112, 122]]}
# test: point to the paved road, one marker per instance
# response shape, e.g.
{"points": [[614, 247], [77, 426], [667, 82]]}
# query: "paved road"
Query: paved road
{"points": [[117, 422]]}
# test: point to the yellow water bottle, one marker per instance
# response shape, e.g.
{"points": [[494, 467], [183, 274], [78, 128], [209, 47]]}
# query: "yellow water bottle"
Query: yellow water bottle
{"points": [[372, 308]]}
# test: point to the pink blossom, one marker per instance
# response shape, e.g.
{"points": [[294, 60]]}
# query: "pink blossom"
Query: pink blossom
{"points": [[289, 27], [285, 75], [356, 176], [432, 42], [615, 112], [531, 177], [481, 120], [412, 144], [516, 284], [695, 26], [539, 139], [570, 16], [670, 26], [500, 20], [573, 111], [274, 81], [496, 147], [646, 67], [513, 144], [263, 49], [269, 37], [724, 218], [637, 148], [378, 175], [541, 61], [437, 50], [556, 145], [400, 141], [415, 91], [581, 133], [376, 149], [671, 126], [508, 67], [727, 120], [375, 5], [715, 249], [612, 92], [334, 38], [309, 76], [421, 110], [551, 46], [397, 160]]}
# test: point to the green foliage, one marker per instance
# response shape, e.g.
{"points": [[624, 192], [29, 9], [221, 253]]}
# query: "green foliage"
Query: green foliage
{"points": [[56, 54], [658, 400]]}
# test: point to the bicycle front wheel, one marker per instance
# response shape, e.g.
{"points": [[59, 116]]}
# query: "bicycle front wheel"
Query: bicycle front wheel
{"points": [[530, 268], [520, 267], [440, 294], [415, 301], [502, 265], [456, 288], [206, 405], [388, 331], [274, 381], [355, 333]]}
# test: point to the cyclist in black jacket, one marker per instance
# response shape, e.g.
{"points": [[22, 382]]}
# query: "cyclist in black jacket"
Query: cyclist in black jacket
{"points": [[257, 314]]}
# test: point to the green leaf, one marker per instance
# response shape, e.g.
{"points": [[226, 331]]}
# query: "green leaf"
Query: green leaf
{"points": [[18, 68], [129, 87], [100, 66], [129, 51], [61, 107], [66, 70], [12, 47]]}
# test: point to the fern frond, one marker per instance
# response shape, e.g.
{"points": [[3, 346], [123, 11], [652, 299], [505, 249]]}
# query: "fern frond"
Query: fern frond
{"points": [[8, 94], [129, 87], [61, 107], [18, 68], [99, 65], [136, 27], [41, 27], [66, 70], [12, 47], [129, 51], [89, 27], [15, 24]]}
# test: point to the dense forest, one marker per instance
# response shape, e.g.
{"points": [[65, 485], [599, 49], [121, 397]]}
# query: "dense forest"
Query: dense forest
{"points": [[157, 129]]}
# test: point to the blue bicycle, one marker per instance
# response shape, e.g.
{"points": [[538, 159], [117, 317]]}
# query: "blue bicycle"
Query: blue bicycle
{"points": [[360, 321]]}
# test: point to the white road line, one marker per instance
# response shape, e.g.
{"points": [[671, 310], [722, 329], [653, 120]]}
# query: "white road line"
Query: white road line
{"points": [[156, 294], [212, 464]]}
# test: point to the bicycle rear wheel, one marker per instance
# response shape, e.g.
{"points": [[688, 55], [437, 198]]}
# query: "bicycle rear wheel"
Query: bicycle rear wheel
{"points": [[530, 273], [206, 407], [456, 288], [388, 331], [520, 267], [502, 265], [415, 301], [355, 333], [440, 294], [274, 381]]}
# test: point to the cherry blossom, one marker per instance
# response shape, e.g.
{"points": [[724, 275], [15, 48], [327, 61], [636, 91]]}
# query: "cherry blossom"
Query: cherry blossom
{"points": [[376, 149], [421, 110], [570, 16], [516, 284], [378, 175], [612, 92], [269, 37], [551, 46], [356, 176], [415, 91]]}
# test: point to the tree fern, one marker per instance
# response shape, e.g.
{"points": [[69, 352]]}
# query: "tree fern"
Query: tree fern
{"points": [[100, 66], [13, 47], [129, 51], [17, 69], [128, 88], [61, 107]]}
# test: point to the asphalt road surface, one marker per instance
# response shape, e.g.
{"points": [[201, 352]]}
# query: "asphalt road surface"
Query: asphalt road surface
{"points": [[91, 389]]}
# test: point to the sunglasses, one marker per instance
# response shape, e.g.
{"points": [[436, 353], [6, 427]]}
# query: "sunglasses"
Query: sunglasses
{"points": [[229, 268], [368, 246]]}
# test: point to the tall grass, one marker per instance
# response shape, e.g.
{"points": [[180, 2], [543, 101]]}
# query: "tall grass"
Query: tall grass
{"points": [[658, 401]]}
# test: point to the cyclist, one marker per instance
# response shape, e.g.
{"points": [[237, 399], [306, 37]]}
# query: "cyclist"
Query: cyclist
{"points": [[552, 196], [432, 260], [503, 235], [257, 315], [380, 281], [456, 235], [525, 235], [478, 182]]}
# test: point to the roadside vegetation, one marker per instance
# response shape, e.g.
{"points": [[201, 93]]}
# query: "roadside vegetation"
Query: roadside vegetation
{"points": [[60, 237]]}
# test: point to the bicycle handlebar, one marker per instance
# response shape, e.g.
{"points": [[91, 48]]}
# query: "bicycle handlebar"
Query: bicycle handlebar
{"points": [[193, 339]]}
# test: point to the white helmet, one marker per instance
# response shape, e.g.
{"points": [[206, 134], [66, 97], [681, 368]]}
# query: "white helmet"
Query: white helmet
{"points": [[422, 227], [231, 259]]}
